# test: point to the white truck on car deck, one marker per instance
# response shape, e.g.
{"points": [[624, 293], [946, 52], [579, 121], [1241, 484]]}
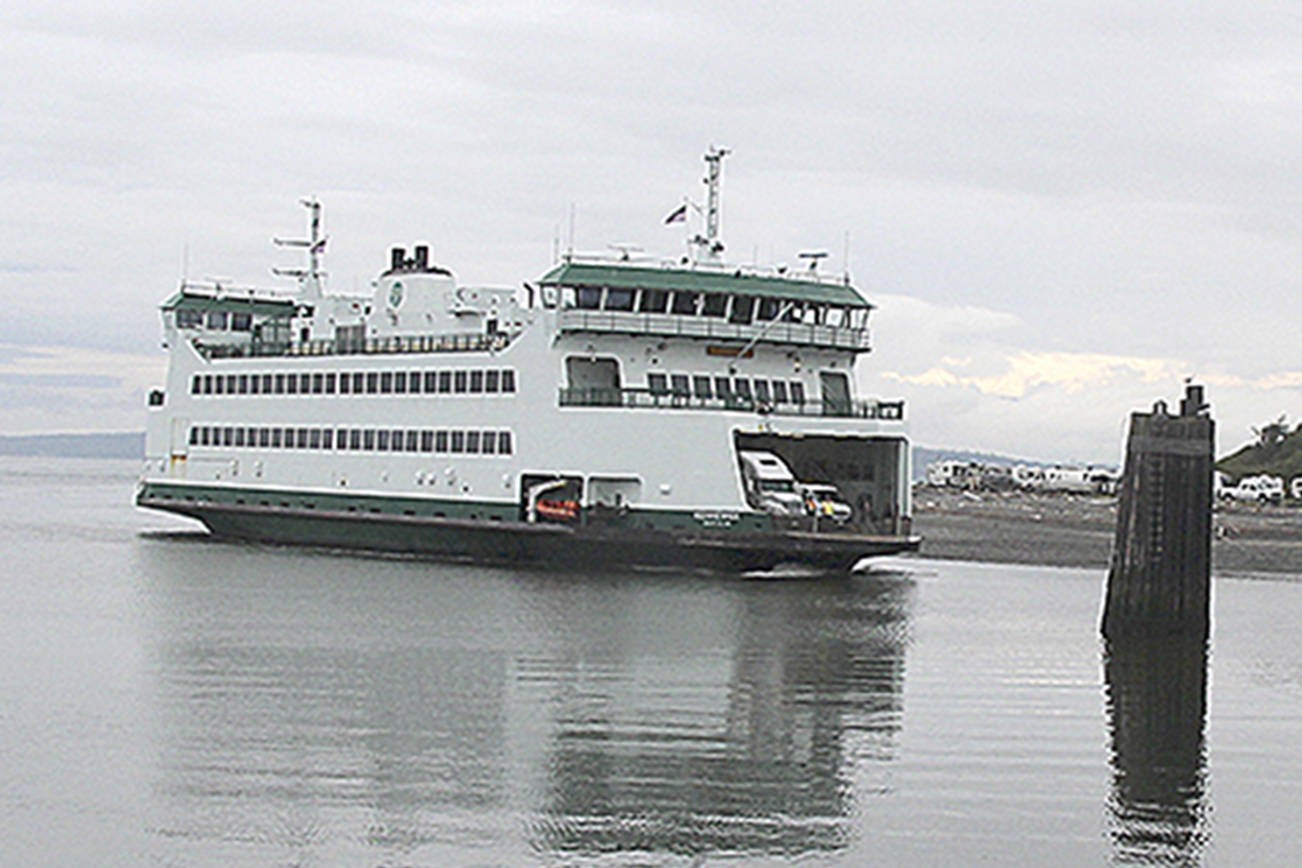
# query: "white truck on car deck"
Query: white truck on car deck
{"points": [[770, 484]]}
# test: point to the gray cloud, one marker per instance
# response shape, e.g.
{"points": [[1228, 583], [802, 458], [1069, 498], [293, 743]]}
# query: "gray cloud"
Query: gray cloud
{"points": [[1117, 176]]}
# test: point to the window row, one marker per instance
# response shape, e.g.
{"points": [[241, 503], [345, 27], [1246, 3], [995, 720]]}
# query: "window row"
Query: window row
{"points": [[445, 382], [742, 309], [214, 320], [442, 441], [706, 387]]}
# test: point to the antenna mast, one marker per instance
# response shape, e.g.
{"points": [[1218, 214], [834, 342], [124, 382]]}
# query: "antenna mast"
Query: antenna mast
{"points": [[309, 279], [709, 246]]}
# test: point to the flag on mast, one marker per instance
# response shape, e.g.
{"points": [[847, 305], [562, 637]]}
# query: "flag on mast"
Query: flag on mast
{"points": [[678, 215]]}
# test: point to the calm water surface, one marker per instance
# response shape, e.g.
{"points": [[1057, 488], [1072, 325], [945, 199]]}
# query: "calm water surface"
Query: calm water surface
{"points": [[171, 700]]}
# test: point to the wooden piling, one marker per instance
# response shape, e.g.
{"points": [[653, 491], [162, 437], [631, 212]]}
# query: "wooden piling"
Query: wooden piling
{"points": [[1160, 577]]}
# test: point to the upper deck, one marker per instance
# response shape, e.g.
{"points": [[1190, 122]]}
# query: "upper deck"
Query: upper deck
{"points": [[708, 301]]}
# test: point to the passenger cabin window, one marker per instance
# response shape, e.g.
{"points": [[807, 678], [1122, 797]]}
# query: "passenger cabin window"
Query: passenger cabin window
{"points": [[678, 384], [701, 387], [657, 384], [797, 392], [619, 299], [582, 372], [780, 391]]}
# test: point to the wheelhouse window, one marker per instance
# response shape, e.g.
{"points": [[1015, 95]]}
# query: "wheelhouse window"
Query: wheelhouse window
{"points": [[743, 307], [715, 304], [619, 299], [686, 303], [768, 309], [241, 322], [189, 319], [589, 298], [217, 320], [653, 301]]}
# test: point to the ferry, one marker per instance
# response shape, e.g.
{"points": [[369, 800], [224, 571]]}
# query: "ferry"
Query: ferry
{"points": [[620, 409]]}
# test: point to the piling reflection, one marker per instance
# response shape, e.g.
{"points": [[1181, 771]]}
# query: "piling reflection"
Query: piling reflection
{"points": [[754, 757], [1157, 708]]}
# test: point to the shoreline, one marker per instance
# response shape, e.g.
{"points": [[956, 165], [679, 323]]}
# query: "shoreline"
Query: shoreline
{"points": [[1066, 530]]}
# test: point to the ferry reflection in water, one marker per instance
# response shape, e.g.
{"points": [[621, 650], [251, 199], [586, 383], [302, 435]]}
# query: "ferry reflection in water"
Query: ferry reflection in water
{"points": [[756, 760], [1157, 708], [430, 710]]}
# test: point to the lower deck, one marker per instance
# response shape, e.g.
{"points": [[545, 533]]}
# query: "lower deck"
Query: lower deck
{"points": [[497, 531]]}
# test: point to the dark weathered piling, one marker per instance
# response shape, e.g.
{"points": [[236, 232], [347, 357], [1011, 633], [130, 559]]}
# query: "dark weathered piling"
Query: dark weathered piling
{"points": [[1160, 576]]}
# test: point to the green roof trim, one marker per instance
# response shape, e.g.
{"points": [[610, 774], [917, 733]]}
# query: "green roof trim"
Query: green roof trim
{"points": [[582, 274], [233, 303]]}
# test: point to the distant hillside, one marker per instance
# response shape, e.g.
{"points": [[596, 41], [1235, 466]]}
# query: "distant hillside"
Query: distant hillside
{"points": [[130, 444], [1279, 455], [924, 455]]}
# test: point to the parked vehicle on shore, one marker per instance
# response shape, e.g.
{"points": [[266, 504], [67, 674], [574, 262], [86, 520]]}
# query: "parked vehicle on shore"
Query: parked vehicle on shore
{"points": [[1262, 488]]}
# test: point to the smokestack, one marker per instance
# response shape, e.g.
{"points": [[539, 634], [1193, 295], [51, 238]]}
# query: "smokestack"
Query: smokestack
{"points": [[396, 257], [422, 257]]}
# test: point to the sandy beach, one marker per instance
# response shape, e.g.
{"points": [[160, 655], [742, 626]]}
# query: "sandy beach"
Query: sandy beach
{"points": [[1077, 531]]}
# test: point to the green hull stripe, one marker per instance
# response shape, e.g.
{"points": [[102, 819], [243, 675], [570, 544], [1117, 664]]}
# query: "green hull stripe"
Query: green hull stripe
{"points": [[187, 496]]}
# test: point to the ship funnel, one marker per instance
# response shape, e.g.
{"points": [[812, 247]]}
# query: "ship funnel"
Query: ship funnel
{"points": [[422, 257], [396, 258]]}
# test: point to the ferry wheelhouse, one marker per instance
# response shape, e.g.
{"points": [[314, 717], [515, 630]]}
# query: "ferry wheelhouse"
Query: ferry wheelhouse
{"points": [[606, 413]]}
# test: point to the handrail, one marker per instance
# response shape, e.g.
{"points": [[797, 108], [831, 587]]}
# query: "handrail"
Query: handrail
{"points": [[679, 325], [441, 343], [642, 398]]}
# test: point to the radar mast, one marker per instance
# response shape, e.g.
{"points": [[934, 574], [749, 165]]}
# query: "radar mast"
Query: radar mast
{"points": [[309, 279], [708, 246]]}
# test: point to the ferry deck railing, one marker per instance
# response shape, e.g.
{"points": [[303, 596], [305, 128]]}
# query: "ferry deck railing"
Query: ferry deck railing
{"points": [[681, 325], [641, 398], [440, 343]]}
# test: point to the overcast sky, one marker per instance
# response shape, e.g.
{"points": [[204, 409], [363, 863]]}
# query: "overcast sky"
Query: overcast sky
{"points": [[1061, 209]]}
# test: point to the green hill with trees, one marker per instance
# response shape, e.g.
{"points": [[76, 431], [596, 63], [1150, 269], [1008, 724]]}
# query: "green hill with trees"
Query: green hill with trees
{"points": [[1277, 451]]}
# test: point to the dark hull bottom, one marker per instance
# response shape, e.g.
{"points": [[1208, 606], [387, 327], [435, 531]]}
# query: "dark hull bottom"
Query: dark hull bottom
{"points": [[543, 544]]}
